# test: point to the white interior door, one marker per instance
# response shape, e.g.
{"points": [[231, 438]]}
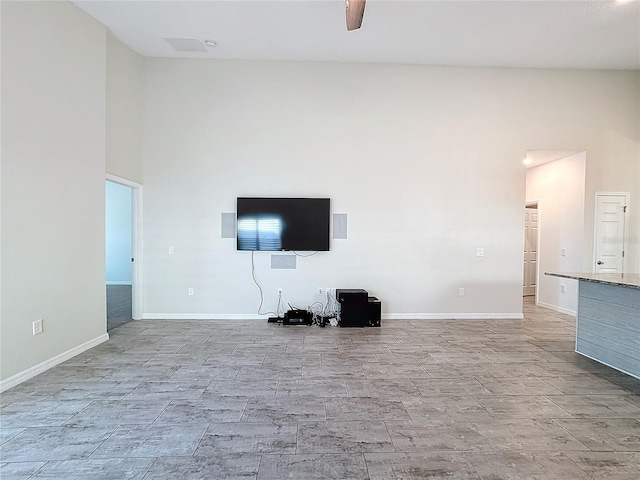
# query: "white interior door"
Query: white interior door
{"points": [[530, 251], [609, 239]]}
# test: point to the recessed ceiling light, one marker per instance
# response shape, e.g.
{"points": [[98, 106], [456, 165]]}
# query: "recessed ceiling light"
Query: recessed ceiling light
{"points": [[527, 161], [210, 43]]}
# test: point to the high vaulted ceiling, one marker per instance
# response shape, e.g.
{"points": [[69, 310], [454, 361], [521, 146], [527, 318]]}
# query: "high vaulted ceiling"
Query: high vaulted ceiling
{"points": [[598, 34]]}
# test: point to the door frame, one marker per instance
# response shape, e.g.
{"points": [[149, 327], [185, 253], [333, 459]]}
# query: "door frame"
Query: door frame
{"points": [[625, 237], [136, 244], [530, 203]]}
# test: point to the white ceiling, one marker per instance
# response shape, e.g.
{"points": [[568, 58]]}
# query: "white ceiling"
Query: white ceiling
{"points": [[518, 33]]}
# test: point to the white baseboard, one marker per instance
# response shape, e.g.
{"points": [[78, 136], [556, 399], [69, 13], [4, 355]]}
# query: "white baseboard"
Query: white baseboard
{"points": [[52, 362], [452, 316], [555, 308], [385, 316], [203, 316], [118, 282]]}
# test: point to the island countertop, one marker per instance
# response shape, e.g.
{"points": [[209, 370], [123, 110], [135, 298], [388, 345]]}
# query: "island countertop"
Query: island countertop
{"points": [[630, 280]]}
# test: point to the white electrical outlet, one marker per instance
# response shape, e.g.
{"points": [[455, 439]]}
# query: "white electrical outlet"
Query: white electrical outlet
{"points": [[461, 292], [191, 291], [172, 250], [479, 252], [37, 327], [563, 289], [280, 291]]}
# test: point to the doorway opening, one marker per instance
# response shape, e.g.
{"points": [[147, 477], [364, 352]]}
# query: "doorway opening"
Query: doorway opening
{"points": [[555, 184], [122, 239], [530, 269]]}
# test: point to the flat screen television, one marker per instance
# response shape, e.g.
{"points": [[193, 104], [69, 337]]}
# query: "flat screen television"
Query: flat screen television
{"points": [[277, 224]]}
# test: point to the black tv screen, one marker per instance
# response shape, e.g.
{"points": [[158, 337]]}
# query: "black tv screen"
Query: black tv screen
{"points": [[283, 224]]}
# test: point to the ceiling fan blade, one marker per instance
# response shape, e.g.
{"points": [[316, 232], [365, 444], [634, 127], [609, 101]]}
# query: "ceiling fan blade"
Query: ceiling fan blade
{"points": [[355, 12]]}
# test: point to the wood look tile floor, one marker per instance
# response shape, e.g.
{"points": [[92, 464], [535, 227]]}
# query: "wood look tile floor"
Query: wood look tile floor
{"points": [[494, 399]]}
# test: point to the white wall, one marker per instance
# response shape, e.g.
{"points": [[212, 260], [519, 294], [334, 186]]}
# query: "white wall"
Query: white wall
{"points": [[427, 162], [53, 157], [118, 234], [615, 171], [559, 187], [125, 70]]}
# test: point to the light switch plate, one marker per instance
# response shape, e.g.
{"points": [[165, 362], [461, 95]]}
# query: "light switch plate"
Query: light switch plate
{"points": [[37, 327]]}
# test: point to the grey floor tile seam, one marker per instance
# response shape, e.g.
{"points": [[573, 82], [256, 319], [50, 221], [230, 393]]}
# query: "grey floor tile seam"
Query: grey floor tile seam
{"points": [[235, 377], [597, 475], [520, 397], [550, 398], [577, 439], [541, 453], [615, 416], [386, 426], [160, 414], [32, 474], [577, 465], [545, 381], [483, 407], [324, 400], [78, 413], [149, 468], [628, 398], [366, 465], [245, 407], [204, 434], [104, 441], [260, 465]]}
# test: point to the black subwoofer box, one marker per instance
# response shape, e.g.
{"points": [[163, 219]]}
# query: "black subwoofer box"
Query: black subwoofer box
{"points": [[354, 308], [375, 311]]}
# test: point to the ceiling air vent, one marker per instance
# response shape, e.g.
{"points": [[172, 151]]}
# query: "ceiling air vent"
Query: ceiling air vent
{"points": [[186, 44]]}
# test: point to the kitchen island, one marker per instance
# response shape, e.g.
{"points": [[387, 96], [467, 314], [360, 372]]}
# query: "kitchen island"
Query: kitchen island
{"points": [[608, 323]]}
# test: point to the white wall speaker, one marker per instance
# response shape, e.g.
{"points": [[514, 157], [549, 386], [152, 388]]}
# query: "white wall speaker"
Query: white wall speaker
{"points": [[227, 225], [283, 262], [340, 226]]}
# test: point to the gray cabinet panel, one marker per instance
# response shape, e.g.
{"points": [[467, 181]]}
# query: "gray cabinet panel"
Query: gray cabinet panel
{"points": [[616, 295], [608, 326], [620, 316], [612, 359]]}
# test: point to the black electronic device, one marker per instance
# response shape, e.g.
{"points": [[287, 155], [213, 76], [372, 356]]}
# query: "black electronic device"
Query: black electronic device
{"points": [[351, 294], [297, 317], [354, 307], [275, 224], [375, 311]]}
